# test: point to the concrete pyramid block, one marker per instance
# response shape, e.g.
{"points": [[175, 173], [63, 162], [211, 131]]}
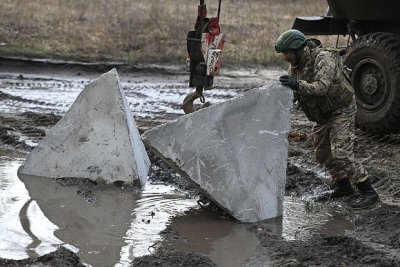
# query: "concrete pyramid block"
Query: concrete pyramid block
{"points": [[96, 139], [234, 152]]}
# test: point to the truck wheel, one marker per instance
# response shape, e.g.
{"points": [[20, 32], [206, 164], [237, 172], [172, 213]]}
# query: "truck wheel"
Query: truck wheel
{"points": [[375, 63]]}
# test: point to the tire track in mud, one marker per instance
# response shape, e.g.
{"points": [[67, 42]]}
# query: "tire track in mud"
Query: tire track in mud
{"points": [[4, 96]]}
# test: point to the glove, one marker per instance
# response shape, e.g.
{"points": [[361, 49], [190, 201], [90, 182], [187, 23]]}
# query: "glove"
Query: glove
{"points": [[288, 80]]}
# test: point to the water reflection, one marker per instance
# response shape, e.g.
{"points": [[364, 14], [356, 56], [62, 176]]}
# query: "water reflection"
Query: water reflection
{"points": [[24, 230], [13, 196], [153, 211]]}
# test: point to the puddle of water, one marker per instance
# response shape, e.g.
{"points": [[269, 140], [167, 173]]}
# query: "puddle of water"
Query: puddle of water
{"points": [[122, 227], [231, 243], [112, 233], [226, 242]]}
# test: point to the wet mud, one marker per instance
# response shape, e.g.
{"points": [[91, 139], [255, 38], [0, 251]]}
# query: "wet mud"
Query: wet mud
{"points": [[371, 240]]}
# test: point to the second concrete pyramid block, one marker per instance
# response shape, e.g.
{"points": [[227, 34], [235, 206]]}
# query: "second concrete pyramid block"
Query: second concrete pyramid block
{"points": [[234, 152]]}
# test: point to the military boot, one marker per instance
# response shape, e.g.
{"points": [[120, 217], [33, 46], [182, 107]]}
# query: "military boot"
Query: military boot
{"points": [[369, 196], [343, 188]]}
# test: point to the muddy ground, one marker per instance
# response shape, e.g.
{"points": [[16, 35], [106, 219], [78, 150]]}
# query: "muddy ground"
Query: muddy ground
{"points": [[375, 240]]}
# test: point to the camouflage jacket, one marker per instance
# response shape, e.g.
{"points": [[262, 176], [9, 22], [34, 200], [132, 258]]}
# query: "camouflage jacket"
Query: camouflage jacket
{"points": [[323, 87]]}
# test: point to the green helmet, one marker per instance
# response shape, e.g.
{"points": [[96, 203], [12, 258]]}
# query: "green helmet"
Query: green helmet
{"points": [[291, 39]]}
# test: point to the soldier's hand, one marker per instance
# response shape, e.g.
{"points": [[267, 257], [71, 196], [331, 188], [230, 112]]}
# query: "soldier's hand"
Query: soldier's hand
{"points": [[288, 80]]}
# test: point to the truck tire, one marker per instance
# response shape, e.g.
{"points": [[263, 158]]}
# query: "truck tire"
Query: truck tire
{"points": [[375, 63]]}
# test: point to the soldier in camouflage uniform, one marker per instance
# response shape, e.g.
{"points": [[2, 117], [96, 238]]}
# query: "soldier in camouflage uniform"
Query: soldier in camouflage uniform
{"points": [[327, 98]]}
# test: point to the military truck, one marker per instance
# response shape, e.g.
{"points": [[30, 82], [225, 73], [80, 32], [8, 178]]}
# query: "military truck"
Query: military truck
{"points": [[372, 56]]}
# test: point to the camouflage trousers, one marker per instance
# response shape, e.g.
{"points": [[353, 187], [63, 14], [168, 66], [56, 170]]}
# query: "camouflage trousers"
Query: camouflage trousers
{"points": [[334, 143]]}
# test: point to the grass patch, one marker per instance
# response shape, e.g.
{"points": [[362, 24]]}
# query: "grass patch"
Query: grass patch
{"points": [[144, 30]]}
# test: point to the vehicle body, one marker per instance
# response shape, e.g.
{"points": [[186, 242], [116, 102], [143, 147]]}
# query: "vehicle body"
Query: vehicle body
{"points": [[372, 56]]}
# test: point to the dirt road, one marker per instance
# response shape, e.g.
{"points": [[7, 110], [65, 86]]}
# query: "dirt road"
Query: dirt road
{"points": [[375, 240]]}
